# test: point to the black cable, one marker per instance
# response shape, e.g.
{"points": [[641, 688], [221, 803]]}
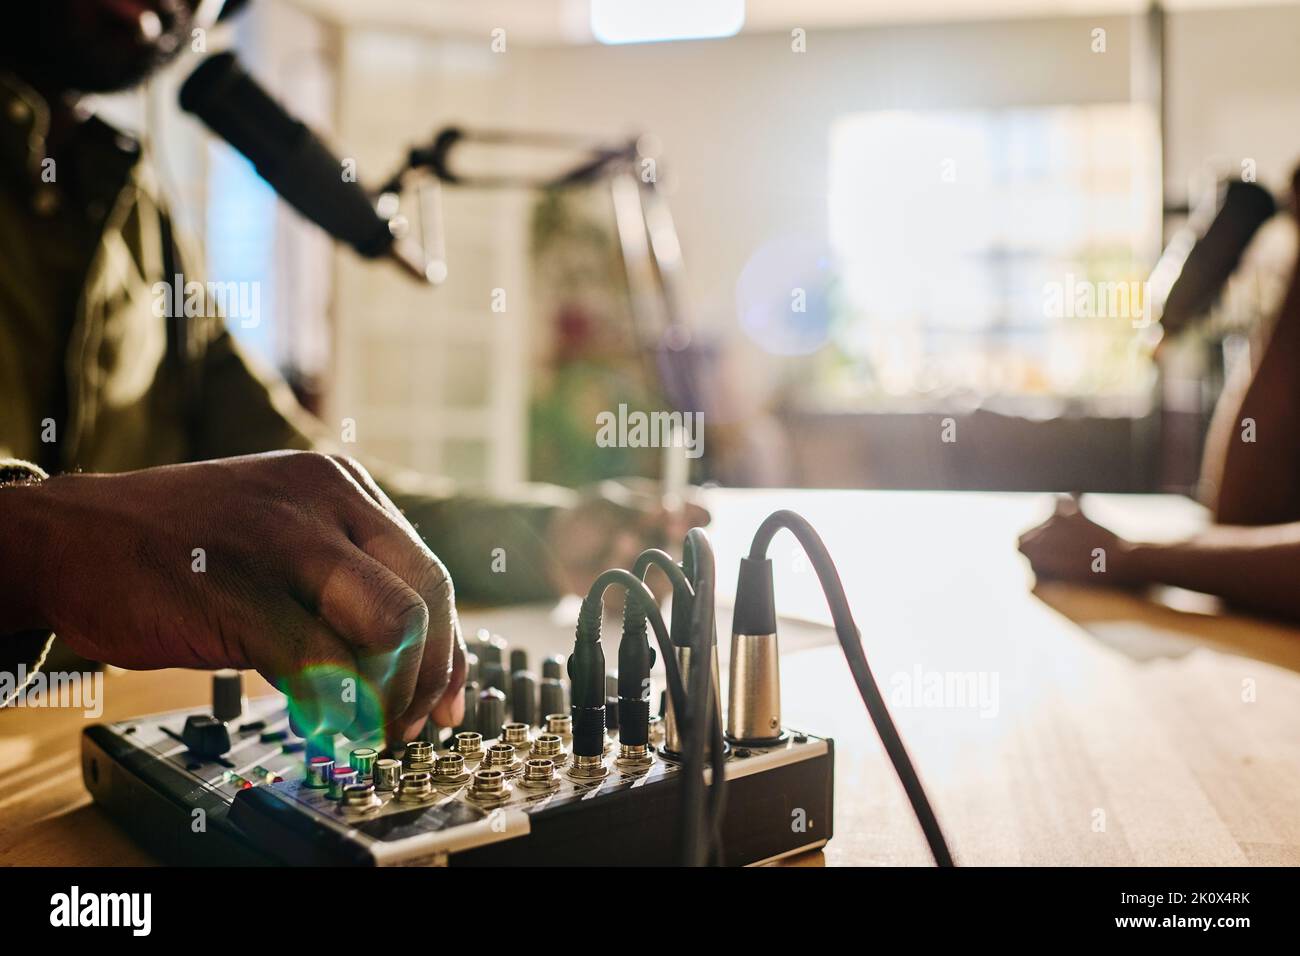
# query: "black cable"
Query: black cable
{"points": [[704, 718], [851, 641], [633, 627], [636, 590], [654, 557]]}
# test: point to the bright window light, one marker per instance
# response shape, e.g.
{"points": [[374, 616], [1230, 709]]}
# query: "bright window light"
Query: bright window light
{"points": [[652, 21]]}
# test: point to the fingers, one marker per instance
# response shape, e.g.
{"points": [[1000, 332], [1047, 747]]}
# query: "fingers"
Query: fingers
{"points": [[436, 673], [447, 707], [314, 668], [450, 709], [379, 529], [380, 616]]}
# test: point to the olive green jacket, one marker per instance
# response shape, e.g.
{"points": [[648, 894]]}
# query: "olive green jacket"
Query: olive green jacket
{"points": [[95, 377]]}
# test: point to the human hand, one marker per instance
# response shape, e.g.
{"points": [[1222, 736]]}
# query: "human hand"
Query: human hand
{"points": [[292, 563], [1069, 546]]}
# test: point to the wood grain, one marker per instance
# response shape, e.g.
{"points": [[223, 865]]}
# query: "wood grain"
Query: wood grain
{"points": [[1113, 729]]}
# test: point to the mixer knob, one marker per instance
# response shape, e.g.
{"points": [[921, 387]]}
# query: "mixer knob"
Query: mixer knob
{"points": [[227, 694], [206, 736], [362, 760], [518, 660], [490, 648], [491, 712], [523, 697], [553, 667], [340, 778], [387, 773], [492, 675], [553, 700], [320, 771]]}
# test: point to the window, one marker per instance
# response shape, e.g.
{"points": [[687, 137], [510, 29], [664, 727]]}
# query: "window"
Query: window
{"points": [[991, 253]]}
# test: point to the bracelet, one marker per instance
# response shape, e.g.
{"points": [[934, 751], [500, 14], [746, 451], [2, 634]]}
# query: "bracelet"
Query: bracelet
{"points": [[14, 473]]}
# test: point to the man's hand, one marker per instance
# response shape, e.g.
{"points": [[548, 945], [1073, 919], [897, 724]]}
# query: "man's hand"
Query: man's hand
{"points": [[613, 523], [1066, 547], [293, 563]]}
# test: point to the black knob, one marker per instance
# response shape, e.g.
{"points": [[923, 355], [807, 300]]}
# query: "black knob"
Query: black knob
{"points": [[490, 648], [492, 674], [227, 694], [491, 712], [553, 667], [470, 720], [206, 736], [518, 660], [523, 697], [553, 701]]}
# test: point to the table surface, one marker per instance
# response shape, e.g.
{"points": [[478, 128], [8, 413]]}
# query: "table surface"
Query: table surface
{"points": [[1059, 726]]}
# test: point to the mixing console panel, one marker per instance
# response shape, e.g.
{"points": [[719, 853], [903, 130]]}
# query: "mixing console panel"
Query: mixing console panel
{"points": [[236, 784]]}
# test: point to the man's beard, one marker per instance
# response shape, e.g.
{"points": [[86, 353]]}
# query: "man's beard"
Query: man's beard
{"points": [[68, 45]]}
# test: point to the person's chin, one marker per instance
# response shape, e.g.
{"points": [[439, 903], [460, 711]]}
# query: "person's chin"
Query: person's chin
{"points": [[114, 67]]}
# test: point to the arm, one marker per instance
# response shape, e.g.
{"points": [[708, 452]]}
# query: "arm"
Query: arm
{"points": [[294, 564], [24, 541], [1253, 568]]}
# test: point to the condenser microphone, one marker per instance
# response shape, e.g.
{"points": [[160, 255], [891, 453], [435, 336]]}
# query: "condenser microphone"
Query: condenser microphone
{"points": [[292, 159]]}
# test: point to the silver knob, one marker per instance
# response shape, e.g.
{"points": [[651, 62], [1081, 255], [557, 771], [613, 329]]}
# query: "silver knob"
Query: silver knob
{"points": [[387, 773], [320, 770], [343, 777]]}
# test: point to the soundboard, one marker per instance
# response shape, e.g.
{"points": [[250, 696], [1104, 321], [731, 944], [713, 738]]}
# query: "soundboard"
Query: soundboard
{"points": [[234, 783]]}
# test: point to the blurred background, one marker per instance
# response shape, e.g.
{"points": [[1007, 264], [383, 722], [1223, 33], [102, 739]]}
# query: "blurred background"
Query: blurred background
{"points": [[875, 203]]}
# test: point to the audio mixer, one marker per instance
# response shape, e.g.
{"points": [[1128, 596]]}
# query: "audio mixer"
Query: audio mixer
{"points": [[569, 769], [234, 784]]}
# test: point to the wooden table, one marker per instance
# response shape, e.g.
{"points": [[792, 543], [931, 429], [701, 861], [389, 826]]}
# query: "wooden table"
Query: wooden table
{"points": [[1110, 729]]}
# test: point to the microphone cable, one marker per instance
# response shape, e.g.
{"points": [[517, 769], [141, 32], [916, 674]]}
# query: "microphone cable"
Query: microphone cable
{"points": [[850, 639]]}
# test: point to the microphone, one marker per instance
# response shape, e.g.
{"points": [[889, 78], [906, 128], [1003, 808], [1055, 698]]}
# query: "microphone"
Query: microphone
{"points": [[1196, 265], [292, 159]]}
